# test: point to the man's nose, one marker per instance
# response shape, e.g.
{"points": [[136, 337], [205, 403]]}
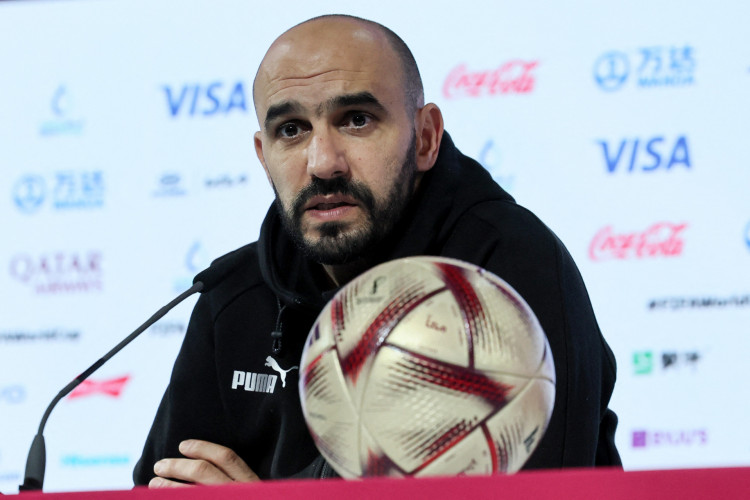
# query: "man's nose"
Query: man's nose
{"points": [[325, 157]]}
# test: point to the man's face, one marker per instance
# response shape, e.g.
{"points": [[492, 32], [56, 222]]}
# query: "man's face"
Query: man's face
{"points": [[337, 142]]}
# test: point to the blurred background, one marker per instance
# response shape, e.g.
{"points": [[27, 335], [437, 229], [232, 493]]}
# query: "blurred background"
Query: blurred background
{"points": [[127, 166]]}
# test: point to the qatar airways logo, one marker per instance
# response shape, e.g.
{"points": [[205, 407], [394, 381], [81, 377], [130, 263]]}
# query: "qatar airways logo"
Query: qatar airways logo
{"points": [[196, 258], [669, 438], [59, 272], [512, 77], [490, 158], [112, 387], [663, 239], [63, 119]]}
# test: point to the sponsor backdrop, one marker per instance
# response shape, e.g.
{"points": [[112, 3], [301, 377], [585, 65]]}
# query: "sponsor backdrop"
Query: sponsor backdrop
{"points": [[128, 165]]}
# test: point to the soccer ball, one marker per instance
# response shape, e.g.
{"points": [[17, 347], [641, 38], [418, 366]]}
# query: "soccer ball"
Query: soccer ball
{"points": [[426, 366]]}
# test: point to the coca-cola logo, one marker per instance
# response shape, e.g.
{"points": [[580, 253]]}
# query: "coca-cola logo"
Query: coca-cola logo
{"points": [[58, 272], [512, 77], [663, 239]]}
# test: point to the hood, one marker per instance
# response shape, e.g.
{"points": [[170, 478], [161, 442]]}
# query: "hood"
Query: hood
{"points": [[454, 185]]}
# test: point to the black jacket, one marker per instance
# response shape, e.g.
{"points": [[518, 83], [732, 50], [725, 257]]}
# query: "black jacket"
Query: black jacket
{"points": [[217, 387]]}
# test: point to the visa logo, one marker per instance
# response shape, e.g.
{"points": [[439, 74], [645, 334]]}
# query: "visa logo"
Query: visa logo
{"points": [[646, 155], [205, 100]]}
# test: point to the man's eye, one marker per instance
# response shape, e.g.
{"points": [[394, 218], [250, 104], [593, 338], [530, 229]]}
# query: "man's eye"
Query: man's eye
{"points": [[359, 120], [288, 130]]}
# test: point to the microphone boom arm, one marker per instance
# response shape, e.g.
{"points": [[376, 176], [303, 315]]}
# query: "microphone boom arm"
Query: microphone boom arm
{"points": [[36, 460]]}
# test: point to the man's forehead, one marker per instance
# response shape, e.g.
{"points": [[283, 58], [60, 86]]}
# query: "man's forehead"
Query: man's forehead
{"points": [[330, 33], [317, 84], [324, 52]]}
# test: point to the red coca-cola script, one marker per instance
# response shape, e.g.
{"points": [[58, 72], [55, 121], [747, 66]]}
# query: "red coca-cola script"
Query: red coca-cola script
{"points": [[512, 77], [663, 239]]}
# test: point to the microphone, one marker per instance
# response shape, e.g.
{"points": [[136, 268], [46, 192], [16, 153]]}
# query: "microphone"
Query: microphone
{"points": [[203, 282]]}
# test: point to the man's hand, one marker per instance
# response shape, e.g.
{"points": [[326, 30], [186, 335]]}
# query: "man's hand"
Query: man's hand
{"points": [[207, 463]]}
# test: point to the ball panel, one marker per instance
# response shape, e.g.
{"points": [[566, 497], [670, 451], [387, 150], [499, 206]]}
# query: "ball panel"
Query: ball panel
{"points": [[366, 297], [518, 428], [514, 338], [416, 407], [356, 349], [473, 455], [375, 462], [512, 385], [330, 415], [319, 340], [472, 309], [546, 367], [436, 329]]}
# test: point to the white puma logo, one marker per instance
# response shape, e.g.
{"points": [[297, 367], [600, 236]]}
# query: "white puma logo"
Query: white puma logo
{"points": [[275, 366]]}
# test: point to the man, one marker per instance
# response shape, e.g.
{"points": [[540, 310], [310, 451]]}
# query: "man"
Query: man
{"points": [[363, 173]]}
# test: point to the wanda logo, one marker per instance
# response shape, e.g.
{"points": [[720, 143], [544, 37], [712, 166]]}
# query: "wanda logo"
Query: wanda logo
{"points": [[663, 239], [512, 77]]}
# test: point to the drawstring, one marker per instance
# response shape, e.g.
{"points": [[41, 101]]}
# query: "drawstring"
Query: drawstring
{"points": [[276, 334]]}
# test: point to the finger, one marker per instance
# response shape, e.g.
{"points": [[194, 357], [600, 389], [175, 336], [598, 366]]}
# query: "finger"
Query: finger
{"points": [[222, 457], [193, 471], [160, 482]]}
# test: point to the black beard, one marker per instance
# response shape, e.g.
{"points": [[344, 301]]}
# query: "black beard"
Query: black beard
{"points": [[336, 246]]}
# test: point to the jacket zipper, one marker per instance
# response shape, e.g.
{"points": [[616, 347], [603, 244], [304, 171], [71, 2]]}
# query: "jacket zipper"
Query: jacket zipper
{"points": [[325, 471]]}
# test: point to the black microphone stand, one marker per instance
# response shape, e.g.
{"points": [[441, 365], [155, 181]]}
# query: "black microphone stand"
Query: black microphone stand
{"points": [[37, 459]]}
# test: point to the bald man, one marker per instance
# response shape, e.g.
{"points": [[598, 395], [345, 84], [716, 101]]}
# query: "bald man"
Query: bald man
{"points": [[363, 173]]}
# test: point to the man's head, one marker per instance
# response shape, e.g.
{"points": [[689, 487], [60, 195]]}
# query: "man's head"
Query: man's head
{"points": [[344, 136], [409, 72]]}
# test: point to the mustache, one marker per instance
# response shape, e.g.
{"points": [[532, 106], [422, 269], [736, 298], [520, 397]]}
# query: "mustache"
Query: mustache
{"points": [[337, 185]]}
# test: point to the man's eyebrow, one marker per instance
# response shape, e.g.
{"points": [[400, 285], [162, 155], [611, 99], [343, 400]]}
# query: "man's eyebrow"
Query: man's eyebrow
{"points": [[283, 108], [340, 101], [346, 100]]}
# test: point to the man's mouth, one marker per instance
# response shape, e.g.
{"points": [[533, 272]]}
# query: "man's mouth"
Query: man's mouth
{"points": [[330, 206], [330, 202]]}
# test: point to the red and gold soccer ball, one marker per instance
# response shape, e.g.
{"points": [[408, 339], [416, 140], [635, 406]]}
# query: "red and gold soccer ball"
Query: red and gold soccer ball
{"points": [[426, 366]]}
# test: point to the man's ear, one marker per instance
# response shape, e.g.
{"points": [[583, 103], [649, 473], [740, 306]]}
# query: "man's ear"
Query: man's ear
{"points": [[429, 127], [259, 151]]}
